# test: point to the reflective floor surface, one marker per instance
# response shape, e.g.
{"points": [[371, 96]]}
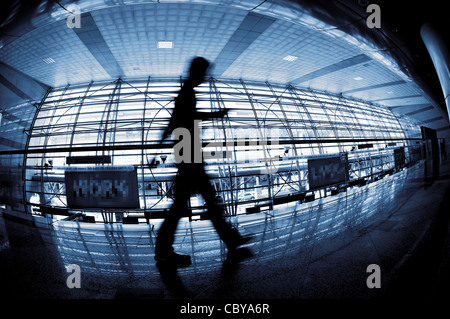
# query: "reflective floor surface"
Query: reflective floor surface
{"points": [[316, 250]]}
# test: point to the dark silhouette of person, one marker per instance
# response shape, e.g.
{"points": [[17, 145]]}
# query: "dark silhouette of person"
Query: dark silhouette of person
{"points": [[192, 177]]}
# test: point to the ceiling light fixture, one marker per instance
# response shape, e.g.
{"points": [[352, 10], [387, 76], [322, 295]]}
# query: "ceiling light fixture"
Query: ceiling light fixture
{"points": [[48, 60], [358, 78], [165, 44], [290, 58]]}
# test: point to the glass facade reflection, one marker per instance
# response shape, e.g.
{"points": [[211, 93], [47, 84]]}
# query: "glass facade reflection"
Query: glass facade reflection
{"points": [[257, 154]]}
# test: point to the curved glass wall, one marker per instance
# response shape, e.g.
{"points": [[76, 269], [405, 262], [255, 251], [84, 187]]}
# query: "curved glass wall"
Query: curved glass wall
{"points": [[258, 153]]}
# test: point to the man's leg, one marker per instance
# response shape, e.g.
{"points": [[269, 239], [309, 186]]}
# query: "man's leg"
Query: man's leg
{"points": [[226, 232], [166, 234]]}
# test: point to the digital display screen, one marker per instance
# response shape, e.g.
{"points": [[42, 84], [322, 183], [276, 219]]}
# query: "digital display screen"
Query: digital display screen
{"points": [[102, 187], [327, 171]]}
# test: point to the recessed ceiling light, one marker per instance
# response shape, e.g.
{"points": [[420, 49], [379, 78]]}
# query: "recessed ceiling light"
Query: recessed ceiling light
{"points": [[165, 44], [358, 78], [290, 58], [48, 60]]}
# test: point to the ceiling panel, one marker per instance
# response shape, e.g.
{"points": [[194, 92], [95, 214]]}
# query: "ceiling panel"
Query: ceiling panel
{"points": [[93, 39], [72, 60], [250, 29], [132, 34], [397, 89], [424, 115], [122, 40], [263, 60]]}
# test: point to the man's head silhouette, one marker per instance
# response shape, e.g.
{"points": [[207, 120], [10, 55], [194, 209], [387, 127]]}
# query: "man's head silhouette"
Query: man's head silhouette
{"points": [[197, 71]]}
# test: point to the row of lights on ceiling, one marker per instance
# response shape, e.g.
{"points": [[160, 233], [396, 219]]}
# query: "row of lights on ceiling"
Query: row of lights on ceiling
{"points": [[169, 45], [161, 45]]}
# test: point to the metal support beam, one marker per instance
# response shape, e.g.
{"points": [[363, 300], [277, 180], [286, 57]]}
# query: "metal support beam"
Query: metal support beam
{"points": [[25, 157], [440, 56]]}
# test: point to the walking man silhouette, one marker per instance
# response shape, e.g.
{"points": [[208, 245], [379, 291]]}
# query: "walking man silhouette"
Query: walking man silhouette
{"points": [[192, 176]]}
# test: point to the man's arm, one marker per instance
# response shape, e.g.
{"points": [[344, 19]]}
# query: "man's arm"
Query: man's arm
{"points": [[211, 115], [167, 131]]}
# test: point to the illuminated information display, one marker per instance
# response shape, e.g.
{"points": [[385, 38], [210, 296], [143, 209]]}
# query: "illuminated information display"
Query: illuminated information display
{"points": [[102, 187], [327, 171]]}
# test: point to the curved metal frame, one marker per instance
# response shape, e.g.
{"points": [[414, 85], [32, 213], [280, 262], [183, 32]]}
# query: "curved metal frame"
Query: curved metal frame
{"points": [[136, 114]]}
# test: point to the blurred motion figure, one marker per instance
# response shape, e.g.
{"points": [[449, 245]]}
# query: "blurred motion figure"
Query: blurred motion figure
{"points": [[192, 176]]}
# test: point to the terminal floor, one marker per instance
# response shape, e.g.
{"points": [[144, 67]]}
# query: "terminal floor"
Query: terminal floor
{"points": [[318, 250]]}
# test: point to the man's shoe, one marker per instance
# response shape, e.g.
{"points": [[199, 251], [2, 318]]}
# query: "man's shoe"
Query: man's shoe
{"points": [[242, 240], [174, 260]]}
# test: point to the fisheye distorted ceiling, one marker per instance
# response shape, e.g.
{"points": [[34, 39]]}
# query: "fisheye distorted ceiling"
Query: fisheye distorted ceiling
{"points": [[270, 41]]}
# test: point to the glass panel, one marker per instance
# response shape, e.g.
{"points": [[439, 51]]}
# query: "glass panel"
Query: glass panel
{"points": [[300, 124]]}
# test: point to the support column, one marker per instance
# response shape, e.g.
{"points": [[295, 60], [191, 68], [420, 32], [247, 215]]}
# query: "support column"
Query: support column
{"points": [[441, 58]]}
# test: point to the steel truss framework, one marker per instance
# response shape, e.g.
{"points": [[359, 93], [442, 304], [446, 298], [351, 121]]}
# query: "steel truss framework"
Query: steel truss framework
{"points": [[258, 153]]}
